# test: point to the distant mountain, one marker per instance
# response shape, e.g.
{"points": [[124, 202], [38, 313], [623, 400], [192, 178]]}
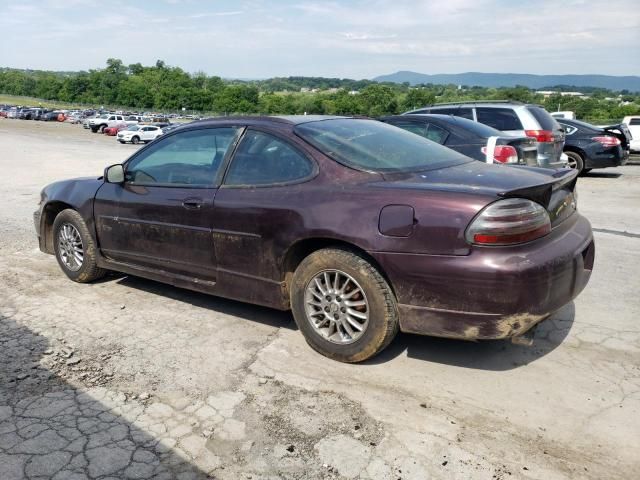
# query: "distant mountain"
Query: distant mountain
{"points": [[631, 83]]}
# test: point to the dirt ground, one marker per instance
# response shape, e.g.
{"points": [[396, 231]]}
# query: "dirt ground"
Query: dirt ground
{"points": [[128, 378]]}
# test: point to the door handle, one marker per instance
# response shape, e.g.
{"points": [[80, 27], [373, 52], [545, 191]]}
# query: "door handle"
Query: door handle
{"points": [[192, 203]]}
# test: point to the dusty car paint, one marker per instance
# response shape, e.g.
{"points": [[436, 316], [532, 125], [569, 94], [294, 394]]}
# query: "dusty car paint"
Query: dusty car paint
{"points": [[245, 242]]}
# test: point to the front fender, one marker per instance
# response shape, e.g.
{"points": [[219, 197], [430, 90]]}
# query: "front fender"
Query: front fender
{"points": [[77, 194]]}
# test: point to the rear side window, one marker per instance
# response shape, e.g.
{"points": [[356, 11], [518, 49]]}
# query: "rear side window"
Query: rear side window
{"points": [[419, 128], [437, 134], [427, 130], [499, 118], [262, 159], [635, 121], [568, 129], [546, 121]]}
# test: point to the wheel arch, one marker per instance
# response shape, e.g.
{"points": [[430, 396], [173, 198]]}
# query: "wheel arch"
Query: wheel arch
{"points": [[49, 214], [305, 247], [574, 149]]}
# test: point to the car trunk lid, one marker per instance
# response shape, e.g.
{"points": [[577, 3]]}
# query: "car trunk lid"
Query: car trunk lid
{"points": [[553, 189], [526, 147], [620, 131]]}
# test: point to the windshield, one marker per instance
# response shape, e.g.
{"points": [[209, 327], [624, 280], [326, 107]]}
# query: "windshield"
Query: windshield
{"points": [[104, 115], [376, 146], [133, 128]]}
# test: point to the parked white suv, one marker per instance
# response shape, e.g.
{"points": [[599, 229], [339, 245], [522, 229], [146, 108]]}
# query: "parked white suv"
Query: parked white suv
{"points": [[633, 122], [514, 119], [139, 133], [105, 120]]}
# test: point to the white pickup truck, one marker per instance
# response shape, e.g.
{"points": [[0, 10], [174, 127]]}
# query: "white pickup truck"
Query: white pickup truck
{"points": [[98, 124], [633, 123]]}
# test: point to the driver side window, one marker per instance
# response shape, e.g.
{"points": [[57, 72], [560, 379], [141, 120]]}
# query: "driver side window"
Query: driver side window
{"points": [[191, 158]]}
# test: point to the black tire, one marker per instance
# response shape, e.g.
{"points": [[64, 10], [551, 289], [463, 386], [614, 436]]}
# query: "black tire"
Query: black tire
{"points": [[102, 127], [135, 140], [382, 310], [89, 270], [575, 161]]}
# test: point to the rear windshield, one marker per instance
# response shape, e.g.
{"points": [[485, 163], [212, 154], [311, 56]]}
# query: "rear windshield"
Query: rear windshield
{"points": [[546, 121], [479, 129], [375, 146]]}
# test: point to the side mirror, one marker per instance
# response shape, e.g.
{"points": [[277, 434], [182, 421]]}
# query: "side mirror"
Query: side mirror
{"points": [[114, 174]]}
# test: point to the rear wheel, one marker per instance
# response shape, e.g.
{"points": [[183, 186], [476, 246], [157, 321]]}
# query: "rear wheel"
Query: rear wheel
{"points": [[343, 306], [575, 161], [74, 248]]}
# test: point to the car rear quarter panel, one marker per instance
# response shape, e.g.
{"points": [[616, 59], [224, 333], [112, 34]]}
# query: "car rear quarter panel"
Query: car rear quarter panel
{"points": [[273, 220]]}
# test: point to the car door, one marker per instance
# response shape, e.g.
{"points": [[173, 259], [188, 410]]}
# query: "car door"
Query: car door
{"points": [[255, 212], [160, 217], [145, 134]]}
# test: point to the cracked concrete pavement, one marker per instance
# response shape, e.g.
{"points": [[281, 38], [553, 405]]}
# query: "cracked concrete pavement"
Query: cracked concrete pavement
{"points": [[128, 378]]}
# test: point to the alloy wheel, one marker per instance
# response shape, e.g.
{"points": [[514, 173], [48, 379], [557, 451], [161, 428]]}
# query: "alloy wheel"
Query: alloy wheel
{"points": [[337, 307], [70, 247]]}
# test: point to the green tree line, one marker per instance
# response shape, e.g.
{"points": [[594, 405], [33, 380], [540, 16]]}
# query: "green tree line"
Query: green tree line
{"points": [[161, 87]]}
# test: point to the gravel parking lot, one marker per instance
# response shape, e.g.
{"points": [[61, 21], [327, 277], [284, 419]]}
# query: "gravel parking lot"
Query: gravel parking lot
{"points": [[128, 378]]}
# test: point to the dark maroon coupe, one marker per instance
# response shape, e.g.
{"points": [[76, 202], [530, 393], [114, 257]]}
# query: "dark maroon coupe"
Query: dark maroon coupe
{"points": [[359, 227]]}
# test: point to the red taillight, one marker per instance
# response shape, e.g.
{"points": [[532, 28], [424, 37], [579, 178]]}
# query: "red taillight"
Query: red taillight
{"points": [[607, 141], [540, 135], [508, 222], [503, 154]]}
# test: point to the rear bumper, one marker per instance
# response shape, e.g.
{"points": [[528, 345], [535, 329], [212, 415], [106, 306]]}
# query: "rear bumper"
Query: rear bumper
{"points": [[549, 155], [610, 157], [494, 292]]}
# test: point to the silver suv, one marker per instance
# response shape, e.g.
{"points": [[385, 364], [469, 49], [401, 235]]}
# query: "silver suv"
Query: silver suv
{"points": [[514, 119]]}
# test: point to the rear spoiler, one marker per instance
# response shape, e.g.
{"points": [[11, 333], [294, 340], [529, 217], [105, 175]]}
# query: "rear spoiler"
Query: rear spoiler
{"points": [[625, 133], [564, 178]]}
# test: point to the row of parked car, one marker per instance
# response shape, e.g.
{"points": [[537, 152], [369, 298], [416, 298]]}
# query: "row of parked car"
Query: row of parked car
{"points": [[128, 128], [30, 113], [491, 131], [517, 133], [501, 132]]}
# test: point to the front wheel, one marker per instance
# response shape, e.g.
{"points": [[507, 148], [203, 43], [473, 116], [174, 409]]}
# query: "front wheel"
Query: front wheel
{"points": [[575, 161], [343, 306], [74, 248], [135, 140]]}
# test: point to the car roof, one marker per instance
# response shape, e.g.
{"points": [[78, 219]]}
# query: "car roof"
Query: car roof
{"points": [[578, 123], [257, 119]]}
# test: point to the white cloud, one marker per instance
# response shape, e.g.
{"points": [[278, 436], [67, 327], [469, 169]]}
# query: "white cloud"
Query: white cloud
{"points": [[359, 38]]}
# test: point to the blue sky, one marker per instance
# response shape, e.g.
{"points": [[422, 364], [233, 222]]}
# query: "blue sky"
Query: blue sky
{"points": [[355, 39]]}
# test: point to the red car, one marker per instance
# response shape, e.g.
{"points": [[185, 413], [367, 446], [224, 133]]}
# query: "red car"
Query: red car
{"points": [[113, 131]]}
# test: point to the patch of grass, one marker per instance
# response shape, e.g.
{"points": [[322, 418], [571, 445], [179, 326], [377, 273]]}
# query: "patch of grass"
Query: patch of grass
{"points": [[38, 102]]}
